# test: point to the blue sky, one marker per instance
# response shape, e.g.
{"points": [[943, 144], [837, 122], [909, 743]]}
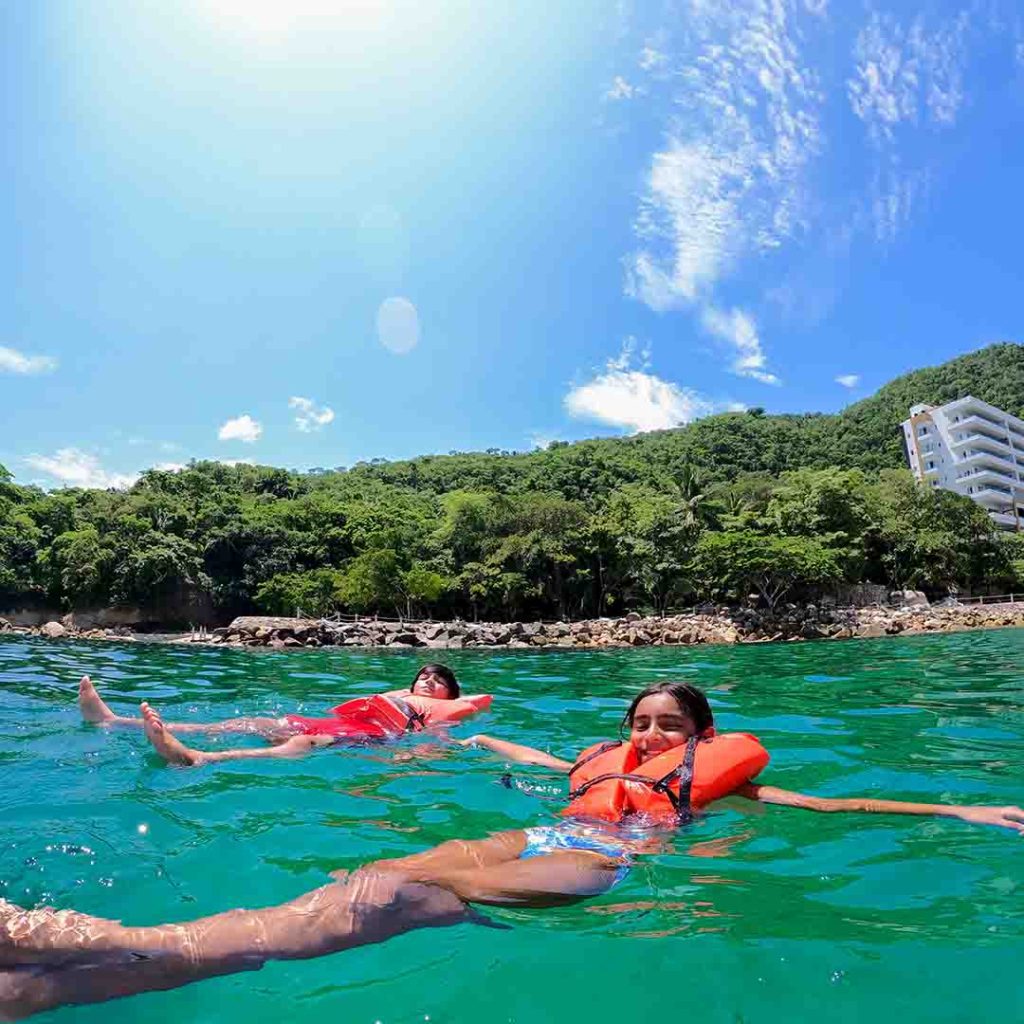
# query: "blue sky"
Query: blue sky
{"points": [[306, 233]]}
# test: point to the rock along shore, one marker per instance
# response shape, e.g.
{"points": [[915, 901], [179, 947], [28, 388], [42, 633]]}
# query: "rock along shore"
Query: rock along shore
{"points": [[705, 625]]}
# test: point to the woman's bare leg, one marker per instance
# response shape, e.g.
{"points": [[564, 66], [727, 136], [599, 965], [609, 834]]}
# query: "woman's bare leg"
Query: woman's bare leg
{"points": [[50, 957], [459, 855], [172, 750], [489, 871], [94, 709]]}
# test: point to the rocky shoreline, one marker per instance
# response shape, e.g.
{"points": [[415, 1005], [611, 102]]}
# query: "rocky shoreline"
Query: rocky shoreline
{"points": [[705, 625]]}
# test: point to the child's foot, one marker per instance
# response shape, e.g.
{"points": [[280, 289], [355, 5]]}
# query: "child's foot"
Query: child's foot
{"points": [[168, 746], [91, 704]]}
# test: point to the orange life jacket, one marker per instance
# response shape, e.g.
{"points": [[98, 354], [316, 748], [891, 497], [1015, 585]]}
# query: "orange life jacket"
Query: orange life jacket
{"points": [[607, 781], [393, 714]]}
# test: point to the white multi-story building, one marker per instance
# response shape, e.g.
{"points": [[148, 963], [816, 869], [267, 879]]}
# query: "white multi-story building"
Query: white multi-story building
{"points": [[973, 448]]}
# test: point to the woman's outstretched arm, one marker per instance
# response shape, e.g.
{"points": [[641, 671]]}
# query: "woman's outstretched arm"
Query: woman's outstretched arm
{"points": [[1007, 817], [516, 752]]}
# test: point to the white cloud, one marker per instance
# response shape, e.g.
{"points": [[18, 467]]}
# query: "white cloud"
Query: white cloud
{"points": [[76, 468], [904, 74], [310, 417], [895, 194], [729, 180], [13, 361], [907, 77], [235, 462], [848, 380], [242, 428], [634, 400], [737, 329], [651, 58], [620, 89], [690, 214], [170, 467]]}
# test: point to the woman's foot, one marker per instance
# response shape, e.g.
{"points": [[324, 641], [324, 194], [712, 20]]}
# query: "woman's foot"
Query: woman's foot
{"points": [[91, 704], [168, 746]]}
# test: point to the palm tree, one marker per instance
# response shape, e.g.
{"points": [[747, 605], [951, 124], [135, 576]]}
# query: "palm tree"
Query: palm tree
{"points": [[697, 510]]}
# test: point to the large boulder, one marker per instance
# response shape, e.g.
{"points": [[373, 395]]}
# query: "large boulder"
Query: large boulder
{"points": [[403, 638], [908, 599], [252, 623], [871, 630], [53, 630]]}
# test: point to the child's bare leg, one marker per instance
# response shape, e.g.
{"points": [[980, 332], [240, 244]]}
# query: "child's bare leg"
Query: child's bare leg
{"points": [[459, 855], [48, 957], [490, 871], [94, 709], [551, 880], [172, 750]]}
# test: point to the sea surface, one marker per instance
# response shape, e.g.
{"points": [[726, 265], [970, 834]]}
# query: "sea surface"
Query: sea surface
{"points": [[749, 915]]}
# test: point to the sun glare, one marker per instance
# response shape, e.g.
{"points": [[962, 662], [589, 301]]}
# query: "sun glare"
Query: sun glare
{"points": [[277, 17]]}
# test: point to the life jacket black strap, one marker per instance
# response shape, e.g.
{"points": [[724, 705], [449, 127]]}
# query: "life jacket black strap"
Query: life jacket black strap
{"points": [[415, 720], [683, 808], [603, 749], [625, 776]]}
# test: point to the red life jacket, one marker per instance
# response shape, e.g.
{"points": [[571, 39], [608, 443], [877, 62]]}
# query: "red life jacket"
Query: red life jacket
{"points": [[393, 714], [607, 781]]}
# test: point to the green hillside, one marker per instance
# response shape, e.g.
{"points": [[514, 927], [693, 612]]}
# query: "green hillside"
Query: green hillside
{"points": [[722, 508], [868, 431], [864, 436]]}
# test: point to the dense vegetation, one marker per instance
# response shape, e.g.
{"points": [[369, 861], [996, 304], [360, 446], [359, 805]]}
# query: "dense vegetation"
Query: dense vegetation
{"points": [[731, 505]]}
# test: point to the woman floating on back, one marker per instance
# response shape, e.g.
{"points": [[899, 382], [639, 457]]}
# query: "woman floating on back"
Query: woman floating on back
{"points": [[433, 700], [49, 957]]}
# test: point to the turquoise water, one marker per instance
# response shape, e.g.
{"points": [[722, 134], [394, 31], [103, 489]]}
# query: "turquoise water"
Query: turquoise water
{"points": [[799, 917]]}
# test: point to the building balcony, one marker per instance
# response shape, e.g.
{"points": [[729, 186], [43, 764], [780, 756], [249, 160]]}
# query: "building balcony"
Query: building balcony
{"points": [[990, 478], [1007, 520], [983, 442], [979, 459], [972, 418], [992, 497], [962, 409], [976, 425]]}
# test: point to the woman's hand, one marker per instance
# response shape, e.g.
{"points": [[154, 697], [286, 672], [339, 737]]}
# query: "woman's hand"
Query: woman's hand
{"points": [[1005, 817]]}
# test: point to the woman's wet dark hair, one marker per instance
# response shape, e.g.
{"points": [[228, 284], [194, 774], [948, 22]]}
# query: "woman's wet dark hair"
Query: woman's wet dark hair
{"points": [[691, 701], [444, 673]]}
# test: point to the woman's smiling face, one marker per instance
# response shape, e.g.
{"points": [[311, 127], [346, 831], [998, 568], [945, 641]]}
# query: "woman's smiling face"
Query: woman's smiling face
{"points": [[659, 724]]}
